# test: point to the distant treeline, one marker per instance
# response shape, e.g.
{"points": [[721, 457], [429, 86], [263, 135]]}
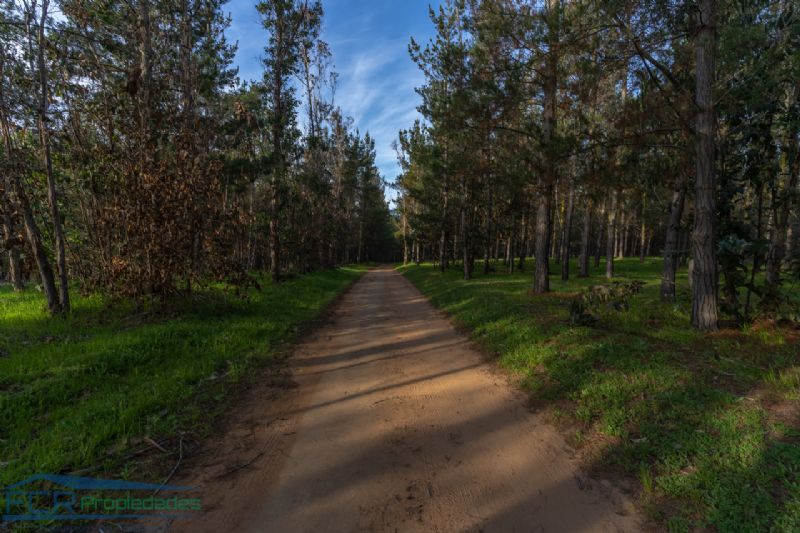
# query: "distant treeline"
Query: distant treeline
{"points": [[133, 161]]}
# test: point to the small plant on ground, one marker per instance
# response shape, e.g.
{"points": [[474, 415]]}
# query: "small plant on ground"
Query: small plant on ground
{"points": [[615, 295]]}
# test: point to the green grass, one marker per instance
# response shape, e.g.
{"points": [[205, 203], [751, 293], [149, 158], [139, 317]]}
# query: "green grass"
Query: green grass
{"points": [[77, 393], [706, 425]]}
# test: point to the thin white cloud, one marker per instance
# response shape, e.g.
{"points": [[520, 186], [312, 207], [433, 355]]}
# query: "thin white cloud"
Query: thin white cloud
{"points": [[377, 90], [369, 41]]}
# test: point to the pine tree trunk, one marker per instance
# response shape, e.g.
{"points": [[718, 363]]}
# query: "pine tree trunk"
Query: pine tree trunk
{"points": [[39, 254], [359, 255], [52, 194], [541, 279], [611, 232], [704, 287], [544, 221], [510, 247], [464, 242], [643, 233], [566, 234], [598, 245], [274, 241], [489, 231], [671, 241], [583, 267], [523, 243], [443, 234], [275, 182], [405, 238], [14, 273], [555, 227]]}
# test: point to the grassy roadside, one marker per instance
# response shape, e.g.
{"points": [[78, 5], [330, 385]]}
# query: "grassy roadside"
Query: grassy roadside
{"points": [[78, 393], [708, 427]]}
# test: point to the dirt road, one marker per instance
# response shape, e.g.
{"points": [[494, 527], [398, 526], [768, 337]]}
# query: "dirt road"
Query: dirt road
{"points": [[392, 422]]}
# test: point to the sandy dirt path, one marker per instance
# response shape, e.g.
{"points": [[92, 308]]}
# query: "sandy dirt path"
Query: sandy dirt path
{"points": [[392, 422]]}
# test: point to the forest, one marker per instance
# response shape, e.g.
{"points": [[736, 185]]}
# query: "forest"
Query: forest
{"points": [[570, 301], [135, 162], [603, 130]]}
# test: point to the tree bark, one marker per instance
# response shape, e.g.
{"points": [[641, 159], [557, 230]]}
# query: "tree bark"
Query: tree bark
{"points": [[622, 234], [359, 256], [583, 263], [14, 273], [488, 236], [704, 288], [643, 231], [274, 239], [467, 270], [541, 279], [566, 234], [555, 226], [510, 246], [523, 243], [598, 245], [39, 254], [44, 139], [277, 173], [405, 238], [611, 234], [671, 241], [443, 235]]}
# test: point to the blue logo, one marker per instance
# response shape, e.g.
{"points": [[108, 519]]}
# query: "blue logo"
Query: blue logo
{"points": [[47, 497]]}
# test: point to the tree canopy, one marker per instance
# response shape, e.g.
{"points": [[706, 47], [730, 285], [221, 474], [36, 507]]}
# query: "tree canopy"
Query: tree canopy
{"points": [[136, 162], [567, 128]]}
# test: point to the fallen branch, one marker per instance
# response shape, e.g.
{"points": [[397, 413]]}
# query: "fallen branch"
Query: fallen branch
{"points": [[241, 466], [154, 444], [174, 468]]}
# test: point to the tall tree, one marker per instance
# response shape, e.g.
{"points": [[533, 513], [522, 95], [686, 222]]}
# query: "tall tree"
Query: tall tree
{"points": [[291, 25], [704, 285]]}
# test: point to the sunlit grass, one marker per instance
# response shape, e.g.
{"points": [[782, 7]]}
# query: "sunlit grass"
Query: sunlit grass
{"points": [[707, 425], [73, 390]]}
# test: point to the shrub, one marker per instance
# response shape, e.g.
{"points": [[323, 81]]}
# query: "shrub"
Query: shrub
{"points": [[615, 295]]}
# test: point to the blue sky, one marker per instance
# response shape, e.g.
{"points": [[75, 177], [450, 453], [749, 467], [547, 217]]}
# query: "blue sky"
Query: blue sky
{"points": [[369, 41]]}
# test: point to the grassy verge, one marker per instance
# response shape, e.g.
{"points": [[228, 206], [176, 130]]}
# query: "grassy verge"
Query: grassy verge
{"points": [[76, 394], [708, 427]]}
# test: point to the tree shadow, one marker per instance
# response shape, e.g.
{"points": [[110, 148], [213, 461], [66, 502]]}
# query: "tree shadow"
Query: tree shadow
{"points": [[688, 417]]}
